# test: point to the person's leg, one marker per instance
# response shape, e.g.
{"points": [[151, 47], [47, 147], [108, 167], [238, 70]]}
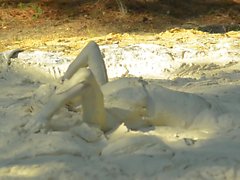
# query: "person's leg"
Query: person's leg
{"points": [[92, 102], [90, 57], [40, 120]]}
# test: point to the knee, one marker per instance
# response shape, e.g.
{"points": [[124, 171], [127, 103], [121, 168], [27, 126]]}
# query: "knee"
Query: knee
{"points": [[92, 44], [84, 76]]}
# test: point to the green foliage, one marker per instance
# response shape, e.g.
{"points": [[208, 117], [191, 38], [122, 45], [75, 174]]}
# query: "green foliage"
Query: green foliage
{"points": [[22, 5], [38, 10]]}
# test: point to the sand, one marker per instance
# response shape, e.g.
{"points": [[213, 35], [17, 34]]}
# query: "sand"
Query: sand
{"points": [[73, 150]]}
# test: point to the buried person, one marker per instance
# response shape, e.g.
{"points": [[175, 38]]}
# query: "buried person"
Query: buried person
{"points": [[132, 101]]}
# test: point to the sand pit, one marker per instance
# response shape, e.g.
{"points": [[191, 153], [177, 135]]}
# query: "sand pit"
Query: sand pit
{"points": [[71, 151]]}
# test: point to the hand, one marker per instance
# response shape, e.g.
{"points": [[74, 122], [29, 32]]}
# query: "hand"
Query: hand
{"points": [[37, 125]]}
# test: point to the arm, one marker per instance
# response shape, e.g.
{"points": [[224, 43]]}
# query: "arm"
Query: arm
{"points": [[84, 85], [40, 121], [90, 57]]}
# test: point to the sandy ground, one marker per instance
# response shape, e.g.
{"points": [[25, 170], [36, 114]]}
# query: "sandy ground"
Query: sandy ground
{"points": [[210, 69]]}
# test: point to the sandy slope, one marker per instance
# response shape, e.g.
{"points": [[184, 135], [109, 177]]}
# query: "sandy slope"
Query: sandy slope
{"points": [[73, 151]]}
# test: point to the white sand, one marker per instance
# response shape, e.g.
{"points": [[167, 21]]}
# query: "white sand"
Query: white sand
{"points": [[80, 152]]}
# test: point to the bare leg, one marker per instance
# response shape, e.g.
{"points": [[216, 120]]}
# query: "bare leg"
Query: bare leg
{"points": [[90, 57], [92, 102], [40, 121]]}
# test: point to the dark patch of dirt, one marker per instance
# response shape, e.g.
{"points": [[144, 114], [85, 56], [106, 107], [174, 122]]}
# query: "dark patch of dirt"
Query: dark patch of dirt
{"points": [[27, 23]]}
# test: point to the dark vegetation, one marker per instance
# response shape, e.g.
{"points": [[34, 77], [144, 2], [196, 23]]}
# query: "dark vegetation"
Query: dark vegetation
{"points": [[21, 19]]}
